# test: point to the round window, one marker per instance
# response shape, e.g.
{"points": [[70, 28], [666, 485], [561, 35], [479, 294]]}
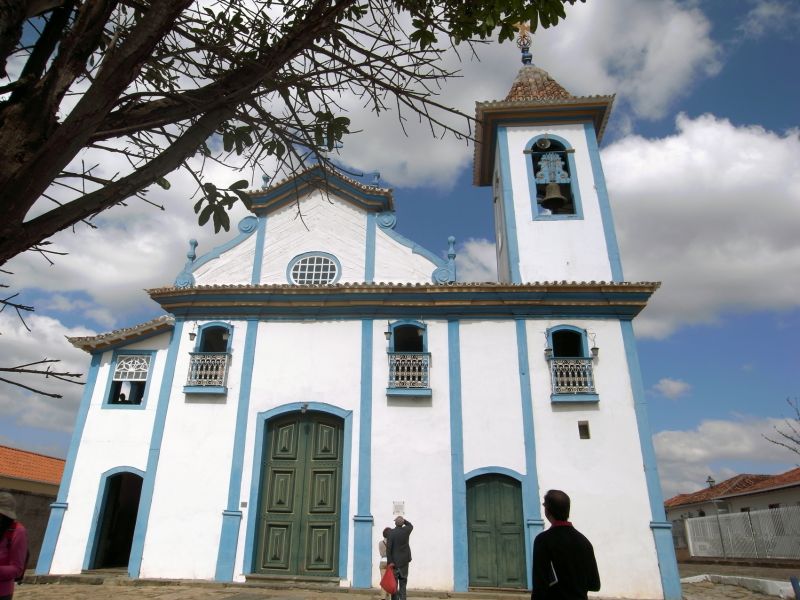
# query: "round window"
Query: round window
{"points": [[316, 267]]}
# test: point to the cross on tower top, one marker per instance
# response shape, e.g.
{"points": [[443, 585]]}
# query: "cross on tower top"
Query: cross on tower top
{"points": [[524, 41]]}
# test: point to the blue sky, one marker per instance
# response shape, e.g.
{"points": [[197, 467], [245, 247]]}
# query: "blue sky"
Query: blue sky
{"points": [[702, 160]]}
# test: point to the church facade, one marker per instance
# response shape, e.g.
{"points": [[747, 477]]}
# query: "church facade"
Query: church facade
{"points": [[311, 378]]}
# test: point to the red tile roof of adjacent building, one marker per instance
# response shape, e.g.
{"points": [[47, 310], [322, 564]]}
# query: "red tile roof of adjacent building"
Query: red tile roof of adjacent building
{"points": [[21, 464], [739, 485]]}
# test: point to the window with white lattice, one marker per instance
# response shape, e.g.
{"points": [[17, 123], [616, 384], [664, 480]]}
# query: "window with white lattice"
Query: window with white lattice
{"points": [[314, 268], [129, 379]]}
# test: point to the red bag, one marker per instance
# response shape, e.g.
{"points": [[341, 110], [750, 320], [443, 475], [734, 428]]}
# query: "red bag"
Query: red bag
{"points": [[388, 581]]}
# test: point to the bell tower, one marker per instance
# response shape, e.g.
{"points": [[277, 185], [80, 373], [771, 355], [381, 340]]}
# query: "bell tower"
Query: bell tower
{"points": [[538, 149]]}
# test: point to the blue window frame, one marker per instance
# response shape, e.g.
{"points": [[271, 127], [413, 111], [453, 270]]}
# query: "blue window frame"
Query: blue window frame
{"points": [[553, 179], [571, 364], [129, 379], [210, 361], [409, 359]]}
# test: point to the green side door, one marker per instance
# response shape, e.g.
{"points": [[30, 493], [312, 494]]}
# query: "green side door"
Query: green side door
{"points": [[496, 534], [301, 485]]}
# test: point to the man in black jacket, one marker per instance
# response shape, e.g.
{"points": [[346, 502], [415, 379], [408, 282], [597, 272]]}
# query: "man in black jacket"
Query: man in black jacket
{"points": [[398, 553], [564, 567]]}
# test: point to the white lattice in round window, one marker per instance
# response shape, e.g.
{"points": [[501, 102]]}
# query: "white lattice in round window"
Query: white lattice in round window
{"points": [[314, 268]]}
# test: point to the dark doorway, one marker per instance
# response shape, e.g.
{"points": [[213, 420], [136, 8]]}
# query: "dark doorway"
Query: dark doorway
{"points": [[301, 488], [495, 533], [117, 521]]}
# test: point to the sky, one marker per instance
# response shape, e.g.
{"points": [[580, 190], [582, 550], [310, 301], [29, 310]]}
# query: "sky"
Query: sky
{"points": [[702, 162]]}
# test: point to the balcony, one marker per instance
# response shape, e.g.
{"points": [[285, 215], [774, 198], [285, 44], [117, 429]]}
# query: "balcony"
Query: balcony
{"points": [[208, 373], [573, 380], [409, 374]]}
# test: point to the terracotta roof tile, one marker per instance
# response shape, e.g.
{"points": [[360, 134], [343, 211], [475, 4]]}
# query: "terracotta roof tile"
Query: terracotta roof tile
{"points": [[737, 486], [533, 83], [21, 464]]}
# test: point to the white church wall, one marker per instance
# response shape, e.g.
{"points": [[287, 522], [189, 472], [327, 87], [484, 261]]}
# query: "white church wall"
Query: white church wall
{"points": [[397, 263], [233, 267], [328, 224], [191, 486], [324, 365], [557, 249], [490, 396], [603, 475], [112, 437], [411, 462]]}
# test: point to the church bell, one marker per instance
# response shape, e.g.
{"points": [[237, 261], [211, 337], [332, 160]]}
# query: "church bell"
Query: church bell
{"points": [[553, 200]]}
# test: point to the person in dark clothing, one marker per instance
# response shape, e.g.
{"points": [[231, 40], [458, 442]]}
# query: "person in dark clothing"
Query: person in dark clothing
{"points": [[564, 567], [398, 553]]}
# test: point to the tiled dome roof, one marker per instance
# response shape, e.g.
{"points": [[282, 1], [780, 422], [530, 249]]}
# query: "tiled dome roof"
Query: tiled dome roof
{"points": [[533, 83]]}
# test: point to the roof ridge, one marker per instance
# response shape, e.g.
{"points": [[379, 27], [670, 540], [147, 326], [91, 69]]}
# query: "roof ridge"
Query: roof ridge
{"points": [[32, 452]]}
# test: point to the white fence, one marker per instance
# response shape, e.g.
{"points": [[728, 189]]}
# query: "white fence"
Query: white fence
{"points": [[773, 533]]}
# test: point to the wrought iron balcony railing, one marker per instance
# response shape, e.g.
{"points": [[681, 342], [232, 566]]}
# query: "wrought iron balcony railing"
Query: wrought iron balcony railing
{"points": [[572, 375], [409, 370], [208, 369]]}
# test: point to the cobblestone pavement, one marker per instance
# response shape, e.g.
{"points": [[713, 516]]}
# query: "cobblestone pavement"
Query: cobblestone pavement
{"points": [[112, 591], [779, 574], [705, 590]]}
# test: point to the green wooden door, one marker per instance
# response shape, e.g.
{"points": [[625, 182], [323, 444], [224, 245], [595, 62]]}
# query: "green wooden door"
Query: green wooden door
{"points": [[298, 530], [496, 533]]}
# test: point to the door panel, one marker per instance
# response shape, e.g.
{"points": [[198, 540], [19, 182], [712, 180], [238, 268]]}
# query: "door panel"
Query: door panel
{"points": [[300, 496], [495, 534]]}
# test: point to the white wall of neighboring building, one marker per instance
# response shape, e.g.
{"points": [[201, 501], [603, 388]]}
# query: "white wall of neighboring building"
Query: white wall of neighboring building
{"points": [[557, 249]]}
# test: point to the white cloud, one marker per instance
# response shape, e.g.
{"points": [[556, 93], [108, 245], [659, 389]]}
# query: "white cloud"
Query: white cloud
{"points": [[648, 53], [46, 340], [476, 261], [671, 388], [686, 458], [770, 16], [712, 212]]}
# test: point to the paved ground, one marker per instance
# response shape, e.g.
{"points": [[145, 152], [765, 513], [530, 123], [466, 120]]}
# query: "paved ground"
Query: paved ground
{"points": [[120, 588]]}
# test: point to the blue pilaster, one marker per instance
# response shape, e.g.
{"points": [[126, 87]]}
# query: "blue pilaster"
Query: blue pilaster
{"points": [[459, 483], [232, 516], [509, 218], [363, 520], [530, 484], [662, 529]]}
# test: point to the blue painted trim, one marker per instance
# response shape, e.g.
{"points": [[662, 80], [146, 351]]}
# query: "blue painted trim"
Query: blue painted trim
{"points": [[99, 506], [574, 398], [388, 220], [369, 259], [459, 483], [605, 206], [212, 390], [362, 536], [509, 214], [536, 214], [665, 550], [58, 507], [231, 516], [300, 257], [159, 422], [410, 392], [261, 442], [261, 234], [288, 191], [198, 342], [494, 470], [530, 485], [113, 366]]}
